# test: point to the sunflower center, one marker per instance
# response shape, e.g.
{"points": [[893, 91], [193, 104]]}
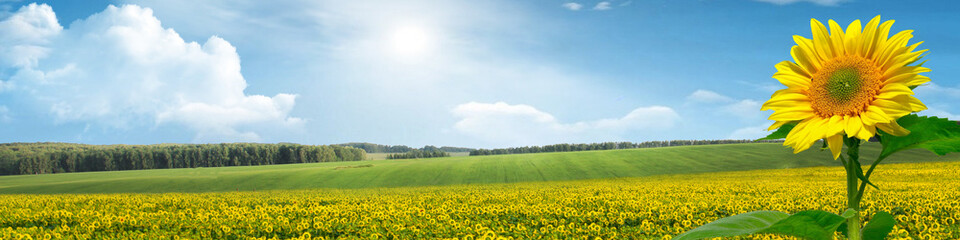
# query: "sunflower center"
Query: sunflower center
{"points": [[844, 86]]}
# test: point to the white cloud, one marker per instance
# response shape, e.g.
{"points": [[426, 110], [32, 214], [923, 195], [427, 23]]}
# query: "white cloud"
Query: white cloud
{"points": [[752, 132], [747, 109], [719, 108], [120, 67], [23, 31], [602, 6], [940, 113], [514, 125], [935, 89], [572, 6], [765, 86], [743, 108], [4, 114], [4, 85], [707, 96], [818, 2]]}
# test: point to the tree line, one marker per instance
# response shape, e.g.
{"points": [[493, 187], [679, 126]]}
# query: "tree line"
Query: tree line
{"points": [[39, 158], [567, 147], [419, 154], [379, 148]]}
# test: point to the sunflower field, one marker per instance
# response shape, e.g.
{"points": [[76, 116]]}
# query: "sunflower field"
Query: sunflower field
{"points": [[924, 198]]}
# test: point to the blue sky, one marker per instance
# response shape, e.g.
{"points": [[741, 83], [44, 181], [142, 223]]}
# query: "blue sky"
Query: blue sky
{"points": [[455, 73]]}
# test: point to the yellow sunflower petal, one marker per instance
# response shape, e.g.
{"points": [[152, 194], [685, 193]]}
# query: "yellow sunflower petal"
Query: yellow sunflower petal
{"points": [[874, 115], [901, 61], [892, 108], [790, 67], [906, 70], [915, 104], [796, 114], [777, 105], [818, 129], [789, 96], [821, 42], [802, 130], [853, 126], [805, 138], [795, 134], [805, 60], [867, 132], [868, 36], [836, 37], [836, 125], [916, 81], [777, 124], [893, 128], [919, 57], [901, 79], [792, 80], [898, 89], [880, 39], [853, 35], [835, 143], [894, 47]]}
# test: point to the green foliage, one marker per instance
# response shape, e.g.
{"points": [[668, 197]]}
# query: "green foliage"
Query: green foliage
{"points": [[781, 132], [736, 225], [811, 224], [939, 135], [419, 154], [455, 149], [566, 147], [39, 158], [850, 213], [879, 226], [379, 148]]}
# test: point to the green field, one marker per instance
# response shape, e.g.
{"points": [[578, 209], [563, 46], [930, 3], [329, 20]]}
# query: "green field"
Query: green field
{"points": [[447, 171]]}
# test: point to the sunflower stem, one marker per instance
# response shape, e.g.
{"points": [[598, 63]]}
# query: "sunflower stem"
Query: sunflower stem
{"points": [[853, 201], [863, 186]]}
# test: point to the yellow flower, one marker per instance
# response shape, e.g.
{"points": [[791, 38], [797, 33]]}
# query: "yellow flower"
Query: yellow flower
{"points": [[851, 83]]}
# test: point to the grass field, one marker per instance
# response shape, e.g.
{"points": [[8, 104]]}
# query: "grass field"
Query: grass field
{"points": [[923, 197], [446, 171]]}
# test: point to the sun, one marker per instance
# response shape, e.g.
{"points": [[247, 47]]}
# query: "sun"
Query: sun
{"points": [[411, 42]]}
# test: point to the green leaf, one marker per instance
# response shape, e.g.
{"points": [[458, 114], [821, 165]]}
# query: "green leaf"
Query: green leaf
{"points": [[781, 132], [879, 226], [842, 229], [939, 135], [811, 224], [740, 224], [863, 178], [849, 213]]}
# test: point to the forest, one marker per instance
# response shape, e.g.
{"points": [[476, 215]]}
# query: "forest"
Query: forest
{"points": [[379, 148], [39, 158], [567, 147], [419, 154]]}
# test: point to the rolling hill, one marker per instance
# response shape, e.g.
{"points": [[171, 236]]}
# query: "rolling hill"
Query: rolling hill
{"points": [[447, 171]]}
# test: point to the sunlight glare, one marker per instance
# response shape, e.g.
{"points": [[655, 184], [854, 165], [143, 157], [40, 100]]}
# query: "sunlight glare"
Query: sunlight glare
{"points": [[410, 42]]}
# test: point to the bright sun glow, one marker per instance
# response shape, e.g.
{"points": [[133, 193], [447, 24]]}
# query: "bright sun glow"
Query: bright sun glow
{"points": [[410, 42]]}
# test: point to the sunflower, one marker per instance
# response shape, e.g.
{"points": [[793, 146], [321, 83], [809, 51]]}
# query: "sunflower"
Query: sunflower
{"points": [[849, 82]]}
